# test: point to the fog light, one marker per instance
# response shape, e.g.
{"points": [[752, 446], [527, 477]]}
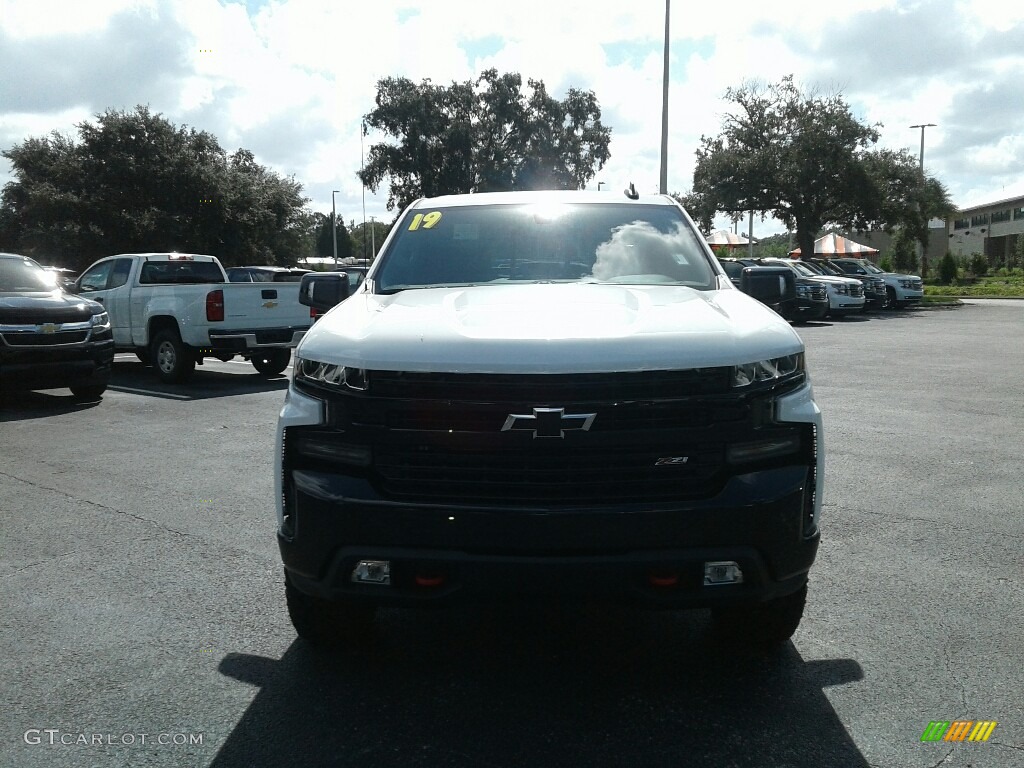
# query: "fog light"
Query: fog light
{"points": [[722, 572], [372, 572]]}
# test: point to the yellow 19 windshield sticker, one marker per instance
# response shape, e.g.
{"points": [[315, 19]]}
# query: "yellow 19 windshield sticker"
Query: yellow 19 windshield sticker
{"points": [[428, 220]]}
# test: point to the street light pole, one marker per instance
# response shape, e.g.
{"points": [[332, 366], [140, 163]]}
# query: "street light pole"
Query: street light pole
{"points": [[663, 184], [334, 226], [922, 256], [373, 239]]}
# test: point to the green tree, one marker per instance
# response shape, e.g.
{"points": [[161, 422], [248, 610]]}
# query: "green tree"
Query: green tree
{"points": [[482, 136], [701, 210], [947, 269], [366, 241], [133, 181], [325, 240], [806, 160], [904, 257]]}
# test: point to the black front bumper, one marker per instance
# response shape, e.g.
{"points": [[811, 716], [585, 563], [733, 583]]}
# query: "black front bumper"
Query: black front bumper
{"points": [[27, 368], [650, 554]]}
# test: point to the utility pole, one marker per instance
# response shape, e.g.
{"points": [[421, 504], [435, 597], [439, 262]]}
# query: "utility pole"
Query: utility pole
{"points": [[663, 185], [373, 239], [334, 226], [921, 254]]}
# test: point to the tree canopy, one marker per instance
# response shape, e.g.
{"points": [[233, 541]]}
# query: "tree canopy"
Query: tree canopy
{"points": [[806, 160], [133, 181], [482, 136]]}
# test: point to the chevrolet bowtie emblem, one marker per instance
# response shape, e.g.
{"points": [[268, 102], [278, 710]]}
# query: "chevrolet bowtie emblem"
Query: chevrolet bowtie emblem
{"points": [[269, 304], [548, 422]]}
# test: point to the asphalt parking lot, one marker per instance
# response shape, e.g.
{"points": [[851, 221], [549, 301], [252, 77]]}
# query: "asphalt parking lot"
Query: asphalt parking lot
{"points": [[143, 609]]}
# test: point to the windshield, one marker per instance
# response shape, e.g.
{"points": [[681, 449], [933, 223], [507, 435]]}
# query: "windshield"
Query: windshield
{"points": [[803, 269], [545, 243], [872, 268], [21, 275]]}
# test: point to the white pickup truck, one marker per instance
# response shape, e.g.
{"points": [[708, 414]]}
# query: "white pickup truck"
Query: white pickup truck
{"points": [[549, 394], [174, 309]]}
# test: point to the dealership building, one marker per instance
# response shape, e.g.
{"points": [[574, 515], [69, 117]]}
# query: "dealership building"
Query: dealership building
{"points": [[991, 229]]}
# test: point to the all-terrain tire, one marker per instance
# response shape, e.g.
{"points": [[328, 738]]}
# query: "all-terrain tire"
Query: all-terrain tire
{"points": [[765, 624], [328, 624]]}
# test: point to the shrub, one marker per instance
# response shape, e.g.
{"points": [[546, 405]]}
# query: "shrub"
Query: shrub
{"points": [[885, 264], [947, 269], [904, 253], [978, 265]]}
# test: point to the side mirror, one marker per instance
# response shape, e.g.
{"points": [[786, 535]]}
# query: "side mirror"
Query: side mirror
{"points": [[769, 285], [323, 290]]}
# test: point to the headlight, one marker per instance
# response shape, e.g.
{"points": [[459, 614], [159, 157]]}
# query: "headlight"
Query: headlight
{"points": [[842, 290], [101, 322], [331, 375], [906, 283], [790, 367]]}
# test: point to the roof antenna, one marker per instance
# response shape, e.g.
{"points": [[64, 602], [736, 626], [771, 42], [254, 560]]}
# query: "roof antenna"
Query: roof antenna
{"points": [[631, 192]]}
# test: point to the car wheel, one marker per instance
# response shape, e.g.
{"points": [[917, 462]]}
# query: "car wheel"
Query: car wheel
{"points": [[327, 624], [890, 295], [171, 358], [271, 362], [88, 392], [765, 624]]}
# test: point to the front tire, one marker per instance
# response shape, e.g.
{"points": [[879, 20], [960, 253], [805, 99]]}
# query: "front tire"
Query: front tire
{"points": [[765, 624], [271, 362], [88, 392], [327, 624], [890, 293], [173, 361]]}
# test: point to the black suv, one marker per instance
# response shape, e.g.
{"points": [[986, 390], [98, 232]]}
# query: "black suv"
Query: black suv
{"points": [[48, 338], [811, 302]]}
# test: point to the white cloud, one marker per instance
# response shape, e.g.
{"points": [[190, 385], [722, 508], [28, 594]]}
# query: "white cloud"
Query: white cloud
{"points": [[292, 79]]}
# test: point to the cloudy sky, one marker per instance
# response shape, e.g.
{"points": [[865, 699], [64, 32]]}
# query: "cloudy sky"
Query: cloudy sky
{"points": [[290, 79]]}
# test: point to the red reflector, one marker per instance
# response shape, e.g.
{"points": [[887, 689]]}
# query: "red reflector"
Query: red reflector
{"points": [[663, 579], [215, 306], [429, 581]]}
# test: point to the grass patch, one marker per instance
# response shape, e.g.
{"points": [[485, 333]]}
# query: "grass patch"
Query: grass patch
{"points": [[992, 286], [977, 290], [940, 301]]}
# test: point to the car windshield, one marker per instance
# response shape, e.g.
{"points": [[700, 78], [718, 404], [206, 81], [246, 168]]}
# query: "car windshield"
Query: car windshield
{"points": [[802, 268], [20, 275], [545, 243], [872, 268]]}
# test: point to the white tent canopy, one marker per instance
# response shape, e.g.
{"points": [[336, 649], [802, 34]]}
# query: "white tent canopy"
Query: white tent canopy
{"points": [[726, 238]]}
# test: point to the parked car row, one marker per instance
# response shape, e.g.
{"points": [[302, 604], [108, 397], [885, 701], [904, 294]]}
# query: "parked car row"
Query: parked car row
{"points": [[835, 287]]}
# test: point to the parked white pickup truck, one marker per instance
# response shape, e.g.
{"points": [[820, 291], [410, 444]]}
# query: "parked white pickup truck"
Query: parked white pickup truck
{"points": [[174, 309]]}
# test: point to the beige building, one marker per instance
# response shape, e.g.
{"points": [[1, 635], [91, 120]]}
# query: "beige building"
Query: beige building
{"points": [[991, 229]]}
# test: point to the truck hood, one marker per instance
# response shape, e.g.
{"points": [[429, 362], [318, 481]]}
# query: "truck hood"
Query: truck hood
{"points": [[549, 328], [45, 307]]}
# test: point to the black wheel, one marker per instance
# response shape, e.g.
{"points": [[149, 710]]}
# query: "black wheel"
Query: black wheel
{"points": [[271, 362], [144, 356], [173, 361], [88, 392], [764, 624], [328, 625], [890, 296]]}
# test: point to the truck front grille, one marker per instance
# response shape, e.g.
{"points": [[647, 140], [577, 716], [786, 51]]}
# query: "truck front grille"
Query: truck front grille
{"points": [[648, 441]]}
